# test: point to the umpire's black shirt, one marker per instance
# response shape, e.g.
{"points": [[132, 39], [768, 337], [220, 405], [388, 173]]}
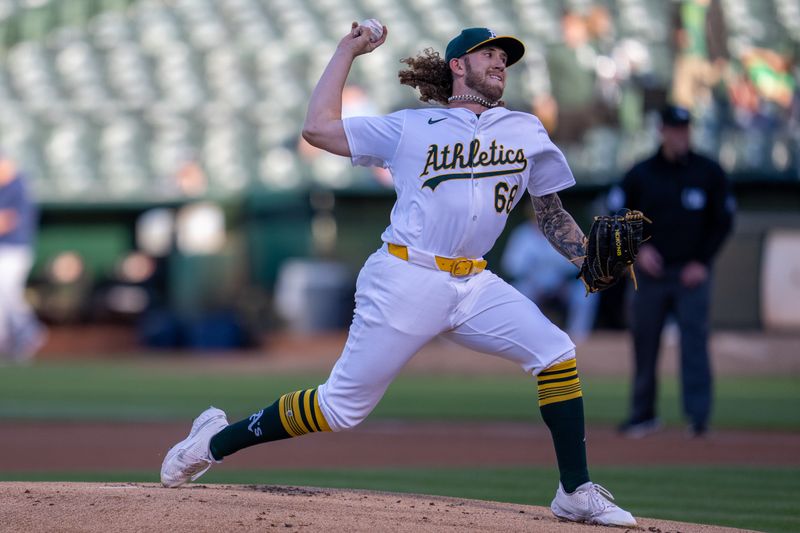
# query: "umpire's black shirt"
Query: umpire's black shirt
{"points": [[689, 202]]}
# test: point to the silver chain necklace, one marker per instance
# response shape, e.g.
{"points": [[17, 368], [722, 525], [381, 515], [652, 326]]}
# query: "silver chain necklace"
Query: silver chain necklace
{"points": [[472, 98]]}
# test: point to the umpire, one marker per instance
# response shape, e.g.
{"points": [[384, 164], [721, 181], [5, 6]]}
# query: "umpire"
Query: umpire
{"points": [[688, 198]]}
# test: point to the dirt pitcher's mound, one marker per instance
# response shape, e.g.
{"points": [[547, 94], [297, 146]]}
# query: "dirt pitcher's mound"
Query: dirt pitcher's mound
{"points": [[124, 507]]}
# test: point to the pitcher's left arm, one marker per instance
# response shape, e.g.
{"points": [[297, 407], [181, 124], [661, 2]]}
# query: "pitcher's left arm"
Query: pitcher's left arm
{"points": [[560, 228]]}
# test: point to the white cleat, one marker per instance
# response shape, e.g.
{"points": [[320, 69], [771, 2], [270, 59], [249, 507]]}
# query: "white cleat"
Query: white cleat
{"points": [[592, 504], [190, 458]]}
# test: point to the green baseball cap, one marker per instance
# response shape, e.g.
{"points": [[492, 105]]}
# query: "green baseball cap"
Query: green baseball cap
{"points": [[471, 39]]}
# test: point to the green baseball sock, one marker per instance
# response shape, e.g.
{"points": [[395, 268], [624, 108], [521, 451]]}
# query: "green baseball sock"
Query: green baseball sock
{"points": [[292, 415], [561, 404]]}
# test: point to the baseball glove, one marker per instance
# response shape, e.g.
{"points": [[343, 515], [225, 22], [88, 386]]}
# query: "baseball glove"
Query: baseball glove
{"points": [[611, 247]]}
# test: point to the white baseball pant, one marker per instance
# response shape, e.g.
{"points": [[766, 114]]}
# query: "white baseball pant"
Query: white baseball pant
{"points": [[401, 306], [17, 320]]}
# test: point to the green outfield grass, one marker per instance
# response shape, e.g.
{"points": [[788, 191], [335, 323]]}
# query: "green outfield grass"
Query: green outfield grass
{"points": [[754, 498], [719, 495], [138, 392]]}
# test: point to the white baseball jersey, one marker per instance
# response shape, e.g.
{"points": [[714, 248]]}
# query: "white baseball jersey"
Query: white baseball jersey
{"points": [[457, 178], [457, 175]]}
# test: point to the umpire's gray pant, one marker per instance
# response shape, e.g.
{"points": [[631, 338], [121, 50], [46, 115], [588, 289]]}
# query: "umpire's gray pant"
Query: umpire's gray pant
{"points": [[655, 300]]}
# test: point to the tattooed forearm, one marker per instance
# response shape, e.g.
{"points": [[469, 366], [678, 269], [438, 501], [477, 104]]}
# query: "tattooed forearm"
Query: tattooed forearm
{"points": [[559, 227]]}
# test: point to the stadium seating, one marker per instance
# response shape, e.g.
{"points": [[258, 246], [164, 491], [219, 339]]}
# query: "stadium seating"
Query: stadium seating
{"points": [[110, 100]]}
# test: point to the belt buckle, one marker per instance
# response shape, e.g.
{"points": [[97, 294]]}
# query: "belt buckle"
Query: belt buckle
{"points": [[461, 267]]}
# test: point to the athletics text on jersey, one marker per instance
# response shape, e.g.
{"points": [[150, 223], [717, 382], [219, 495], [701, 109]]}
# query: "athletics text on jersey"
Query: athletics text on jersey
{"points": [[457, 175]]}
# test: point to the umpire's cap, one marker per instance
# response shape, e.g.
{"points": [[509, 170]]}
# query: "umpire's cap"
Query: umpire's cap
{"points": [[673, 115], [471, 39]]}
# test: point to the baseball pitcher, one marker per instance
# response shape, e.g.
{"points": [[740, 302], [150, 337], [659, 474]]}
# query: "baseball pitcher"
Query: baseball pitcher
{"points": [[458, 171]]}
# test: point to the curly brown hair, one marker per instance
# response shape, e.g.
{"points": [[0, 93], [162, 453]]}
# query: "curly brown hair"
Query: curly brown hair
{"points": [[430, 74]]}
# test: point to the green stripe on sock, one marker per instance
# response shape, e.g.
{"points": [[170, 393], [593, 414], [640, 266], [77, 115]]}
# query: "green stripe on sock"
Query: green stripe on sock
{"points": [[565, 420]]}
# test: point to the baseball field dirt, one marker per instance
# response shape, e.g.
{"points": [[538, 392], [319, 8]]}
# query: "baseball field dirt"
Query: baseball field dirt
{"points": [[96, 446], [134, 507]]}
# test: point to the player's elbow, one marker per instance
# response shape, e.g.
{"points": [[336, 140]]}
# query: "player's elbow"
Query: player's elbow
{"points": [[312, 134], [326, 135], [318, 135]]}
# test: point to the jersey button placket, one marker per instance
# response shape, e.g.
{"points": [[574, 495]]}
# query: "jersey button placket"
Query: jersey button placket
{"points": [[474, 186], [475, 191]]}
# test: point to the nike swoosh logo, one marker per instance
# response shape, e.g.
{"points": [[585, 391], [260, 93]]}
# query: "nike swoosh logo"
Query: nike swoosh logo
{"points": [[431, 121]]}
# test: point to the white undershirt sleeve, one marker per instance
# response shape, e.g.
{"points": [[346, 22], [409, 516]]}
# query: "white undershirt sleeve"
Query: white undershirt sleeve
{"points": [[373, 141], [550, 172]]}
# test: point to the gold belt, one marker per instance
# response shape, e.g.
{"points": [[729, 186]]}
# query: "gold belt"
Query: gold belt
{"points": [[457, 266]]}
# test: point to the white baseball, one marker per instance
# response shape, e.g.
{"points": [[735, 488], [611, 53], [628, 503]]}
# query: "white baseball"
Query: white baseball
{"points": [[375, 28]]}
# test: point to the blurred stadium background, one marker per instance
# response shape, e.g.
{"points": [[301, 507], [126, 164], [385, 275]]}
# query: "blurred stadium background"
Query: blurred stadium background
{"points": [[181, 210], [162, 140]]}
